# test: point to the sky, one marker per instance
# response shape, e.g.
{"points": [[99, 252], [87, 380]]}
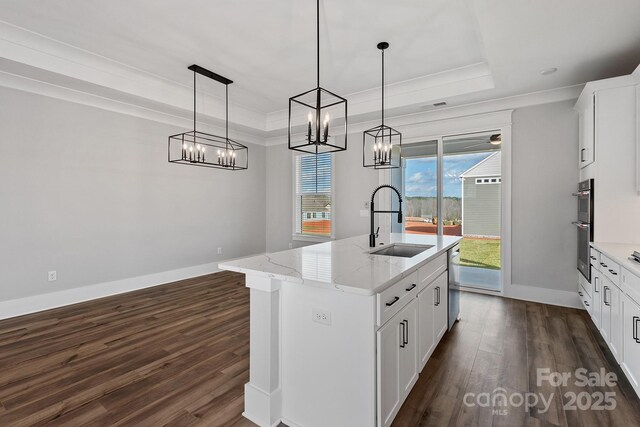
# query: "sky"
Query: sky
{"points": [[421, 174]]}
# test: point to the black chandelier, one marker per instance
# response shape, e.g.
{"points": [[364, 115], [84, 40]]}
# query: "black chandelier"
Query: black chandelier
{"points": [[203, 149], [381, 145], [320, 108]]}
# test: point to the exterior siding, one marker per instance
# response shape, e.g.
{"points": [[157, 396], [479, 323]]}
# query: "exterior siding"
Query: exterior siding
{"points": [[481, 209]]}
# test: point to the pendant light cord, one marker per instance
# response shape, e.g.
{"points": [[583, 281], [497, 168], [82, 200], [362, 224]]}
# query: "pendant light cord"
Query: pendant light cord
{"points": [[318, 42], [382, 87], [226, 104], [194, 103]]}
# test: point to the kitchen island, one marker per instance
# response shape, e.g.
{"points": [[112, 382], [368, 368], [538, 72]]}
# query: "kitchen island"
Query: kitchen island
{"points": [[338, 334]]}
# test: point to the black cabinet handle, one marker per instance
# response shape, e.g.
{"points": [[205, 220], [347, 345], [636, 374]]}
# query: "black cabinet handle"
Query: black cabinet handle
{"points": [[586, 303], [603, 264], [438, 295], [592, 257], [413, 285], [635, 329], [402, 332], [395, 300], [613, 272], [406, 331], [580, 293]]}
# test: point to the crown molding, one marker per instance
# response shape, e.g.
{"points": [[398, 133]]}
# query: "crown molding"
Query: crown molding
{"points": [[404, 122], [419, 91], [64, 65], [183, 122]]}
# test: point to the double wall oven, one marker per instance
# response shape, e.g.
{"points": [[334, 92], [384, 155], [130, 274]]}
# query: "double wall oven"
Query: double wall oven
{"points": [[584, 225]]}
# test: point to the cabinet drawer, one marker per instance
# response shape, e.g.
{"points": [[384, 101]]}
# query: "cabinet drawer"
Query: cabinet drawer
{"points": [[585, 298], [595, 258], [429, 272], [610, 269], [630, 284], [393, 299]]}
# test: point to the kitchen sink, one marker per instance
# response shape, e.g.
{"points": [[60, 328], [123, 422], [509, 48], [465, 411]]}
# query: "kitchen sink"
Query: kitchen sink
{"points": [[401, 250]]}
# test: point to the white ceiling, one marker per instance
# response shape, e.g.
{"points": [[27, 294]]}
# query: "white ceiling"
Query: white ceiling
{"points": [[268, 47]]}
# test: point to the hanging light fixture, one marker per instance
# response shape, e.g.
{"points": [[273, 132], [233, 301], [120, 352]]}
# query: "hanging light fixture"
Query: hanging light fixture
{"points": [[203, 149], [382, 144], [316, 114]]}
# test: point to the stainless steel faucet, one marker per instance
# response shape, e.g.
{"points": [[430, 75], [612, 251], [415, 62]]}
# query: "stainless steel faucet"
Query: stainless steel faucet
{"points": [[372, 235]]}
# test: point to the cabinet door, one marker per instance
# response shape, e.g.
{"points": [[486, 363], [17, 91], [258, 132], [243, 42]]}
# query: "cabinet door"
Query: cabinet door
{"points": [[441, 317], [426, 331], [409, 352], [586, 156], [631, 341], [615, 308], [596, 303], [390, 339]]}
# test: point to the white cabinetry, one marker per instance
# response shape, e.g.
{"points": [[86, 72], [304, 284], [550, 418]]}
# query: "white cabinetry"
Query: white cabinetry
{"points": [[397, 361], [615, 312], [631, 341], [586, 118], [432, 316]]}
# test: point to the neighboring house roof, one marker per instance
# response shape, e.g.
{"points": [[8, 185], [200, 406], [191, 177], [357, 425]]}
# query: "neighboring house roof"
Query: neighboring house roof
{"points": [[491, 166]]}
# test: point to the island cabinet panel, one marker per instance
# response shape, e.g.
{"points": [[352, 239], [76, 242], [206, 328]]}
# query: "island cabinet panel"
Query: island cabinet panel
{"points": [[328, 367], [397, 361]]}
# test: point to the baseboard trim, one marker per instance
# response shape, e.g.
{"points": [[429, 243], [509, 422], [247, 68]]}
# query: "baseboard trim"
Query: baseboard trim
{"points": [[36, 303], [543, 295]]}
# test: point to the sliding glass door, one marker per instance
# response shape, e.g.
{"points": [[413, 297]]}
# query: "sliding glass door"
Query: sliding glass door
{"points": [[452, 186]]}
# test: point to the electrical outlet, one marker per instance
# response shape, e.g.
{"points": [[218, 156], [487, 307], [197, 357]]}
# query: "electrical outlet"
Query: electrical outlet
{"points": [[219, 251], [321, 316], [52, 276]]}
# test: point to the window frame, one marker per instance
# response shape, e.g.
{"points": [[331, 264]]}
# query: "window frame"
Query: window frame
{"points": [[302, 237]]}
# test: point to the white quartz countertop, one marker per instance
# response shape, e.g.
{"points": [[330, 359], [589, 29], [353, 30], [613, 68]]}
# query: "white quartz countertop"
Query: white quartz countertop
{"points": [[344, 265], [620, 253]]}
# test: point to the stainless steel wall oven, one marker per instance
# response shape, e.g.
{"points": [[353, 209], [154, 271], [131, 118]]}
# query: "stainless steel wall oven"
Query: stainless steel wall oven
{"points": [[585, 226]]}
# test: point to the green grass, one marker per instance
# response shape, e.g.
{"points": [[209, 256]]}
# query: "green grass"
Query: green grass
{"points": [[483, 253]]}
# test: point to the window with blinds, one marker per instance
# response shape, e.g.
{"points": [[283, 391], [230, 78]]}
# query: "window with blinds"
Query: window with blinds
{"points": [[313, 194]]}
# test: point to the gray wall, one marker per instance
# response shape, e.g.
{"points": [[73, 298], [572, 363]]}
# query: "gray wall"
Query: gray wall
{"points": [[353, 187], [481, 209], [544, 174], [90, 193]]}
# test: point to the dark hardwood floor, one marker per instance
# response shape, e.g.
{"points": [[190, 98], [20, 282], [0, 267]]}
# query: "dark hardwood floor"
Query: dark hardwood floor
{"points": [[177, 355]]}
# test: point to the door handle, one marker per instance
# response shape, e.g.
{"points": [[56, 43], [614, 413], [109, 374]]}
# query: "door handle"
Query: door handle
{"points": [[604, 295], [595, 284], [402, 332], [582, 155], [410, 288], [395, 300], [438, 295], [635, 329], [406, 331]]}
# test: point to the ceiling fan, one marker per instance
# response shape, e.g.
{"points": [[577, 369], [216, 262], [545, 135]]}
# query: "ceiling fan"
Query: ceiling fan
{"points": [[495, 139]]}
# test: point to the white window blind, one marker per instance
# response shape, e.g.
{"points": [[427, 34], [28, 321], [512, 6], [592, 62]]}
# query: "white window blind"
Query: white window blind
{"points": [[313, 194]]}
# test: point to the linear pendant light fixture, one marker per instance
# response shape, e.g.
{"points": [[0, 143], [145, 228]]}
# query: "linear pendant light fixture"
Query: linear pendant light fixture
{"points": [[312, 114], [381, 145], [203, 149]]}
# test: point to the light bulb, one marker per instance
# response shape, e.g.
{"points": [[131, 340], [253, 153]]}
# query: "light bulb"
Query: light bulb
{"points": [[203, 149], [326, 118], [310, 117], [191, 149], [198, 147], [184, 145]]}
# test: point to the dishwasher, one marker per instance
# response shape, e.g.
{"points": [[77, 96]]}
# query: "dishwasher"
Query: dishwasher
{"points": [[454, 285]]}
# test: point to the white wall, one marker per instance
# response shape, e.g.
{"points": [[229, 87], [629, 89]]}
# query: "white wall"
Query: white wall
{"points": [[544, 174], [353, 187], [90, 193]]}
